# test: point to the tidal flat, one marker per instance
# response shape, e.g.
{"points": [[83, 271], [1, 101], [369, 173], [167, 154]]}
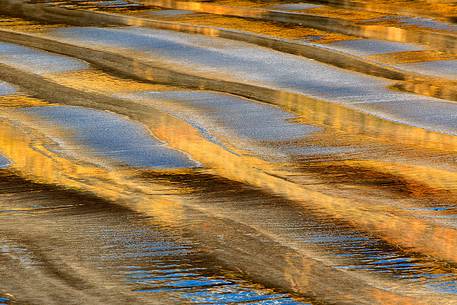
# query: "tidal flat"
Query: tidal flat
{"points": [[228, 152]]}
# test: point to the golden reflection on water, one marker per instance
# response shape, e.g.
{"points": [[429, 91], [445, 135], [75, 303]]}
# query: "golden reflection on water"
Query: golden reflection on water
{"points": [[412, 56], [30, 156], [350, 121], [96, 80], [392, 223], [347, 24], [259, 27], [28, 147], [21, 101], [395, 225]]}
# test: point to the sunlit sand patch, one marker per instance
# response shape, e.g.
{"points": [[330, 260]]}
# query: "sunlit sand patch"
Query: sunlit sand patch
{"points": [[340, 13], [92, 79], [407, 57], [16, 100], [439, 116], [23, 25], [436, 8], [214, 55], [250, 119]]}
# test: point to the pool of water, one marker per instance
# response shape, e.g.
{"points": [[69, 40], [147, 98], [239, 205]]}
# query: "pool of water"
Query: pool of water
{"points": [[441, 68], [113, 136], [366, 47], [229, 115], [151, 258], [4, 300], [6, 89], [4, 162], [353, 249], [428, 23], [170, 13], [294, 6], [37, 61], [161, 265], [246, 124], [246, 63]]}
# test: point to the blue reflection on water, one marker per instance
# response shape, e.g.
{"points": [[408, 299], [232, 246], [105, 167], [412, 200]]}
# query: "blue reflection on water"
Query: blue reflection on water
{"points": [[6, 89], [4, 162], [160, 264], [38, 61], [113, 136]]}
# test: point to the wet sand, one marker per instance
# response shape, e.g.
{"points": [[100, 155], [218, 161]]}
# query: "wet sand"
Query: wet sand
{"points": [[136, 188]]}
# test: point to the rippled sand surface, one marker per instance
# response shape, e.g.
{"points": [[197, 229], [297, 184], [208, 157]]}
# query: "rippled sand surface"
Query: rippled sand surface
{"points": [[143, 163]]}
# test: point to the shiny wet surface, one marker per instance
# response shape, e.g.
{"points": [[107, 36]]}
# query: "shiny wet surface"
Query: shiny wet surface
{"points": [[6, 89], [293, 6], [429, 23], [350, 217], [4, 162], [137, 250], [112, 136], [440, 68], [226, 116], [365, 47], [338, 241], [38, 61], [246, 63]]}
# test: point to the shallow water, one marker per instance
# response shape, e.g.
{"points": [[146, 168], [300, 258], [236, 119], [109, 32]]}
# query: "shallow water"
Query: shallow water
{"points": [[149, 257], [4, 162], [6, 89], [251, 64], [195, 235], [136, 248], [366, 47], [98, 4], [112, 136], [4, 300], [350, 248], [219, 115], [170, 13], [428, 23], [37, 61], [160, 265], [294, 6], [441, 68]]}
